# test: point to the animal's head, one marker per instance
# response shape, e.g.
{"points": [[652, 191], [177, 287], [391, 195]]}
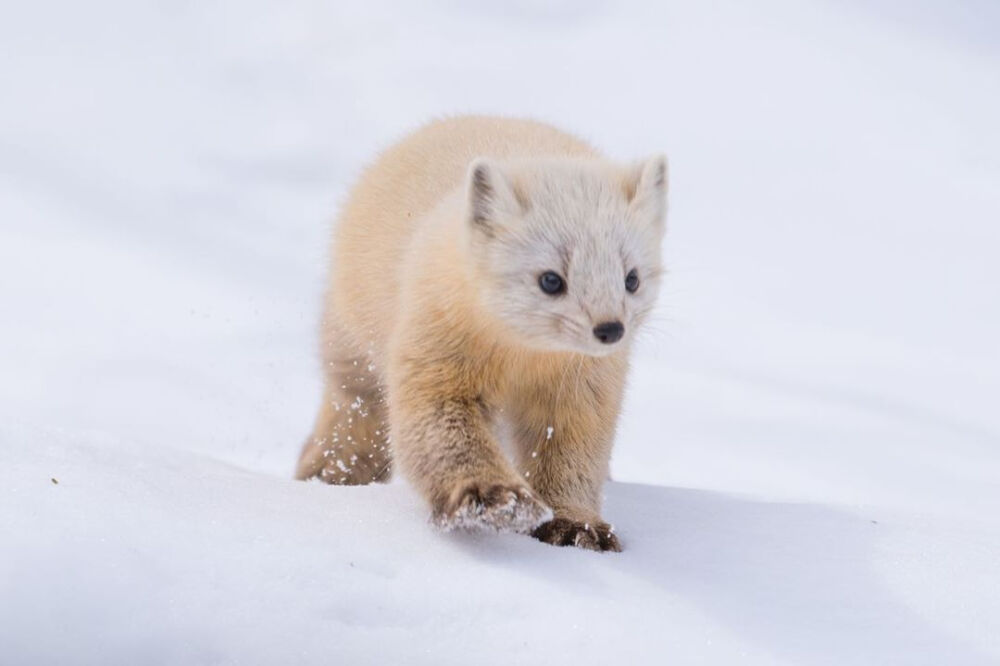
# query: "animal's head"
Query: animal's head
{"points": [[568, 251]]}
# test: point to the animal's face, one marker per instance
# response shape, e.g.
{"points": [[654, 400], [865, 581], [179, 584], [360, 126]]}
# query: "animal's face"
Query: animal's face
{"points": [[568, 251]]}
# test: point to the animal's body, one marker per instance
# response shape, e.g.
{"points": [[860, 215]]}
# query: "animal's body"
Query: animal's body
{"points": [[487, 272]]}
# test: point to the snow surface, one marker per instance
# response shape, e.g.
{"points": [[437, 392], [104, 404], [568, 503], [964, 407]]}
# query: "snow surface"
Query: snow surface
{"points": [[808, 466]]}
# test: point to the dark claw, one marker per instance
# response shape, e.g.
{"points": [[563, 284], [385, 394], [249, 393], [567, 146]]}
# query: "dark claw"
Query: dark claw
{"points": [[566, 532]]}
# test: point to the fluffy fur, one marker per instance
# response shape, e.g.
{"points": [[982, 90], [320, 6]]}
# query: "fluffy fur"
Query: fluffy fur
{"points": [[436, 331]]}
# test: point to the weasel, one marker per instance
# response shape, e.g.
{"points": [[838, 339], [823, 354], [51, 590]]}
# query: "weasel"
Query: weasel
{"points": [[488, 272]]}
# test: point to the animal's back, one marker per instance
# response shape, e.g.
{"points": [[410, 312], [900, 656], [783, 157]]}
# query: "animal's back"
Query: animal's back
{"points": [[406, 182]]}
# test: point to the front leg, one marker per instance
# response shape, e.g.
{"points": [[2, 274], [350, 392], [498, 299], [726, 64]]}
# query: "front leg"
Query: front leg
{"points": [[441, 439], [564, 433]]}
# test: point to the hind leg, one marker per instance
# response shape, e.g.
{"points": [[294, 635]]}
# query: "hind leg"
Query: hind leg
{"points": [[349, 444]]}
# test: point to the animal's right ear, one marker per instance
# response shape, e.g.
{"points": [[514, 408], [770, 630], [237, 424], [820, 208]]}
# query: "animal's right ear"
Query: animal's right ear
{"points": [[493, 199]]}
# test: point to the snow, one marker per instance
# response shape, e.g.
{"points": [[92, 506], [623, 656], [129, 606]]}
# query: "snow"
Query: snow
{"points": [[808, 465]]}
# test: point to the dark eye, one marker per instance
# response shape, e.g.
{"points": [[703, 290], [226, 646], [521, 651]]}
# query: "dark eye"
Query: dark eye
{"points": [[551, 283], [632, 281]]}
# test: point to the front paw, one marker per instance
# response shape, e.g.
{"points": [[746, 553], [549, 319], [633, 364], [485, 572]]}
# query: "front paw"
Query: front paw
{"points": [[597, 535], [497, 506]]}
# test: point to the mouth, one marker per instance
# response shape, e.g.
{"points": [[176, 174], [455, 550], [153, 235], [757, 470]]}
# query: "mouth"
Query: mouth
{"points": [[599, 349], [592, 347]]}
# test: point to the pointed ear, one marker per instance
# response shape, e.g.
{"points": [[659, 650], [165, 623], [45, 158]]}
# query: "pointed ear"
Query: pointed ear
{"points": [[646, 186], [492, 197]]}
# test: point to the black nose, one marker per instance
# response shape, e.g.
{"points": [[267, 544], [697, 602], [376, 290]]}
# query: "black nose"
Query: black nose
{"points": [[609, 331]]}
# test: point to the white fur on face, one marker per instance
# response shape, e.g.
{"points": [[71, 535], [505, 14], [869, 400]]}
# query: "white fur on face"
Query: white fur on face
{"points": [[588, 221]]}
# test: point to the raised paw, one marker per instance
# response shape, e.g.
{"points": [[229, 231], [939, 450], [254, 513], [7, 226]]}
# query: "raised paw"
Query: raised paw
{"points": [[566, 532], [500, 507]]}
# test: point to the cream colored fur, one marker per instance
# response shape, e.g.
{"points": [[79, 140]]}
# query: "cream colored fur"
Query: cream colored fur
{"points": [[436, 330]]}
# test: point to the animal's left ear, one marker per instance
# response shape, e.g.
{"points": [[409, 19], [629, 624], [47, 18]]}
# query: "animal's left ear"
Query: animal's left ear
{"points": [[646, 187]]}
